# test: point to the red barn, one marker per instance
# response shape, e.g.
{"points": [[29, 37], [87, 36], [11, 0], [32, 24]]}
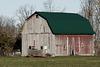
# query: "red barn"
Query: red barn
{"points": [[59, 34]]}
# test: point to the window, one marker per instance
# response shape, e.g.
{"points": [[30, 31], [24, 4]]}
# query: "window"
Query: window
{"points": [[32, 47], [44, 29], [64, 47], [41, 47], [82, 43], [29, 47], [45, 47], [37, 16]]}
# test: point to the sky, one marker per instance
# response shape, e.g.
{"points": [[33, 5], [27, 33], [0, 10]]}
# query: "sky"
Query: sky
{"points": [[9, 7]]}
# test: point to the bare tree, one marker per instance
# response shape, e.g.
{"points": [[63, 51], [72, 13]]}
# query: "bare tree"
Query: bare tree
{"points": [[24, 12], [7, 35], [50, 7], [88, 9], [97, 28], [98, 21], [91, 10]]}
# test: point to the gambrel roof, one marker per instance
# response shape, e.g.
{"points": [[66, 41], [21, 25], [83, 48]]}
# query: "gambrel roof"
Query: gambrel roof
{"points": [[66, 23]]}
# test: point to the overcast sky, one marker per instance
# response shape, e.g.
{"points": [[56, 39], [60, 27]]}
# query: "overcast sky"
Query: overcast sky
{"points": [[8, 7]]}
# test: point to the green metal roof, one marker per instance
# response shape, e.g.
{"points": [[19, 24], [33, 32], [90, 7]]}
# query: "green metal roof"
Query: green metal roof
{"points": [[67, 23]]}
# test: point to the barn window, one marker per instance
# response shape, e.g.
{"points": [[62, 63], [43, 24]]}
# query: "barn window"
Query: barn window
{"points": [[32, 47], [82, 43], [44, 29], [29, 47], [41, 47], [37, 16], [64, 47]]}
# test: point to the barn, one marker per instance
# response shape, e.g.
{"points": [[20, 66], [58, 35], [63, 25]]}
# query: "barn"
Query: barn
{"points": [[57, 33]]}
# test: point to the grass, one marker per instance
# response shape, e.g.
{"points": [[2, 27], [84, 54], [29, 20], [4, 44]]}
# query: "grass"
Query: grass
{"points": [[66, 61]]}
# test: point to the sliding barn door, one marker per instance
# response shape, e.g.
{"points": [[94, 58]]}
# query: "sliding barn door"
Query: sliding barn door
{"points": [[75, 45]]}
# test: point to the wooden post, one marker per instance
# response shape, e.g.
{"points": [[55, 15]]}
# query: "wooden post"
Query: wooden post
{"points": [[67, 46], [79, 45]]}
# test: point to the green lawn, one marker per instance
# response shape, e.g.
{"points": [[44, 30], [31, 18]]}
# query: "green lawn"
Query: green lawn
{"points": [[67, 61]]}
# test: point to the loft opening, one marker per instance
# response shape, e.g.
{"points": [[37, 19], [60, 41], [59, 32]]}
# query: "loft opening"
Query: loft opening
{"points": [[37, 16]]}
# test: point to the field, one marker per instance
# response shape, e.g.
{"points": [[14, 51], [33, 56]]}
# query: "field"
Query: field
{"points": [[66, 61]]}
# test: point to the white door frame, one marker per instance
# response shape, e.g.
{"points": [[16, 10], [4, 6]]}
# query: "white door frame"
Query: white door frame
{"points": [[67, 47], [73, 44]]}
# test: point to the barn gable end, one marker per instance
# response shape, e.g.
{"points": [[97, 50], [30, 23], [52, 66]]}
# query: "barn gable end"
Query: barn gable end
{"points": [[36, 25], [37, 32]]}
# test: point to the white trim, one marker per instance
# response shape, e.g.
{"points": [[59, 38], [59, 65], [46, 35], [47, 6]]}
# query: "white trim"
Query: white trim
{"points": [[79, 45], [90, 47], [67, 46], [93, 44]]}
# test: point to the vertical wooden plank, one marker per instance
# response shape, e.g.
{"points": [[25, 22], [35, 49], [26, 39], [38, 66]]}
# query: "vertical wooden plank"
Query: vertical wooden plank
{"points": [[34, 43], [93, 43], [79, 44], [90, 47]]}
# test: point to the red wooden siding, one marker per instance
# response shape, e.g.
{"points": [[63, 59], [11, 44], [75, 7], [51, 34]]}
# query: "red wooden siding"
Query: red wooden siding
{"points": [[76, 39], [83, 44], [87, 47]]}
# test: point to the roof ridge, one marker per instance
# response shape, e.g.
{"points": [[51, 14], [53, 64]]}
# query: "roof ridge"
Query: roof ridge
{"points": [[55, 12]]}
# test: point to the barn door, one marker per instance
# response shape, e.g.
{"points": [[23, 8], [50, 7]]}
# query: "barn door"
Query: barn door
{"points": [[77, 45], [59, 50]]}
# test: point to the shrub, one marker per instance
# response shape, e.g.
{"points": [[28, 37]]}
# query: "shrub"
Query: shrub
{"points": [[48, 55]]}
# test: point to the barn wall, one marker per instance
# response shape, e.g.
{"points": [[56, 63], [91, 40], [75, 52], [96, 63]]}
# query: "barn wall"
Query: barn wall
{"points": [[61, 44], [24, 45], [88, 45], [83, 44], [36, 32]]}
